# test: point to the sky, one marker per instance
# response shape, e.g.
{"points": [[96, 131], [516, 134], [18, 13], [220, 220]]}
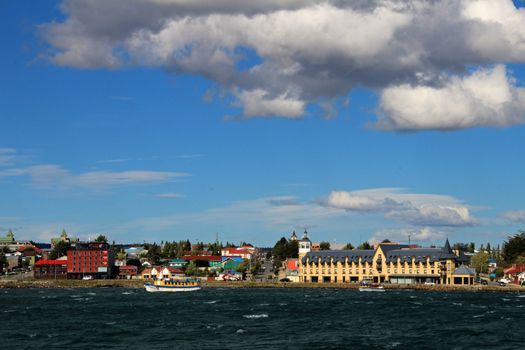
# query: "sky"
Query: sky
{"points": [[161, 120]]}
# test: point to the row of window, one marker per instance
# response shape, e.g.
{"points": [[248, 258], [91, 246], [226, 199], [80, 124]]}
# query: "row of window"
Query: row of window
{"points": [[370, 271], [354, 265]]}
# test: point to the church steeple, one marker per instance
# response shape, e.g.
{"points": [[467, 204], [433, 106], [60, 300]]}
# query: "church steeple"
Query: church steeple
{"points": [[447, 248]]}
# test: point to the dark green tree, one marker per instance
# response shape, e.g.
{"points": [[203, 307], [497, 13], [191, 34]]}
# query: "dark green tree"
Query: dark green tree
{"points": [[462, 247], [348, 246], [283, 250], [3, 261], [324, 245], [134, 262], [60, 249], [365, 245], [154, 253], [386, 240], [514, 247], [101, 239]]}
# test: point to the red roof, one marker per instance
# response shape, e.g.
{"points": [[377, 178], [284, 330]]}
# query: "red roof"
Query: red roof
{"points": [[24, 247], [174, 270], [292, 264], [202, 257], [51, 262], [516, 268], [237, 251]]}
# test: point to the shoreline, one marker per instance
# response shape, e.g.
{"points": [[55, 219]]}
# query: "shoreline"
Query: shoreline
{"points": [[138, 284]]}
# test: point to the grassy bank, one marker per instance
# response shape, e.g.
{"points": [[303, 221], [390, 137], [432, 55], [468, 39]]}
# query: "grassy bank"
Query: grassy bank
{"points": [[31, 283]]}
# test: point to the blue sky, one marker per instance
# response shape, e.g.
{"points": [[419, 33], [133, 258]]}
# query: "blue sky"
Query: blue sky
{"points": [[185, 120]]}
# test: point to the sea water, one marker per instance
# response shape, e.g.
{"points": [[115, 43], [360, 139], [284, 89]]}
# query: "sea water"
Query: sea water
{"points": [[285, 318]]}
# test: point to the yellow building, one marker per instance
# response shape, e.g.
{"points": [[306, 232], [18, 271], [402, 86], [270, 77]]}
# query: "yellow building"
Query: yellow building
{"points": [[388, 262]]}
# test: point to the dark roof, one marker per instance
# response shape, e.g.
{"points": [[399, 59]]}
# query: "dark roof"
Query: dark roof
{"points": [[391, 251], [419, 254], [447, 248], [386, 247], [463, 270], [340, 255]]}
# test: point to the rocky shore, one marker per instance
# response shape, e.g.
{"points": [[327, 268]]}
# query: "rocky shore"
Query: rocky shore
{"points": [[138, 284]]}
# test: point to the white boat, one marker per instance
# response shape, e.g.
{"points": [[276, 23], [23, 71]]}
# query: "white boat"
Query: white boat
{"points": [[169, 285], [371, 288]]}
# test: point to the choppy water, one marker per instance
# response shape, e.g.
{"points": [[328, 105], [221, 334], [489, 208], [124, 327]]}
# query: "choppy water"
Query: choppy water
{"points": [[259, 319]]}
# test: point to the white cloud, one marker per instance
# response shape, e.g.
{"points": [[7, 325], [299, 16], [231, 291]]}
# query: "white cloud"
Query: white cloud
{"points": [[7, 155], [257, 103], [53, 176], [310, 51], [424, 234], [498, 29], [170, 195], [415, 209], [487, 97], [281, 213], [518, 215]]}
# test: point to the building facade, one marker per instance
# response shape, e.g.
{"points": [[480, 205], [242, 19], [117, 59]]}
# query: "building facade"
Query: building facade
{"points": [[388, 262], [244, 253], [50, 269], [127, 272], [90, 259]]}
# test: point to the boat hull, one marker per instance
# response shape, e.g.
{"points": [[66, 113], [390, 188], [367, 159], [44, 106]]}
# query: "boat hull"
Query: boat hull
{"points": [[369, 289], [150, 287]]}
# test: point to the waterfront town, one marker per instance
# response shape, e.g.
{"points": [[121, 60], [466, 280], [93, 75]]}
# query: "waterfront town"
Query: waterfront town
{"points": [[296, 259]]}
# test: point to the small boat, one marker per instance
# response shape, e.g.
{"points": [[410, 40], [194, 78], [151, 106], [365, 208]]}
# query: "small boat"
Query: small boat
{"points": [[371, 288], [170, 285]]}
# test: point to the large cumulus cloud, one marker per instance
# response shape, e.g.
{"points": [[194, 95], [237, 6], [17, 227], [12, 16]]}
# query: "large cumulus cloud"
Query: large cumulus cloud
{"points": [[307, 51], [418, 210]]}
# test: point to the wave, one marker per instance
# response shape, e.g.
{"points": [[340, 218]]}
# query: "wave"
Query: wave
{"points": [[256, 316]]}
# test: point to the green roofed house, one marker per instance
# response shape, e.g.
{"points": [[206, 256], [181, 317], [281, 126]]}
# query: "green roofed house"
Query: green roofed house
{"points": [[231, 262], [63, 238], [178, 263], [8, 239]]}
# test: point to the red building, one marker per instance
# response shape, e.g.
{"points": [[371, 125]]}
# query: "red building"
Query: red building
{"points": [[93, 259], [513, 272], [50, 269]]}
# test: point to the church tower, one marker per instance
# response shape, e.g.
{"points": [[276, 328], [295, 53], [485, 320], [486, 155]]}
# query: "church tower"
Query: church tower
{"points": [[305, 245]]}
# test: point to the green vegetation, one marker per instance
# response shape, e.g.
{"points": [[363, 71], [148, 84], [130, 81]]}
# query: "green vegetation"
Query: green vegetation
{"points": [[514, 248], [134, 262], [348, 246], [60, 249], [480, 262], [101, 239], [365, 245], [464, 247], [324, 245], [283, 250], [3, 261]]}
